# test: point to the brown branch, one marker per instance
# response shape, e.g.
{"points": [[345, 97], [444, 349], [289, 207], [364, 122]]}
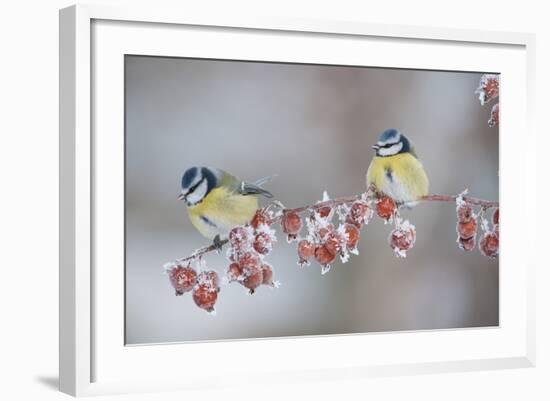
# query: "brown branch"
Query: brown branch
{"points": [[201, 251], [468, 199], [373, 194]]}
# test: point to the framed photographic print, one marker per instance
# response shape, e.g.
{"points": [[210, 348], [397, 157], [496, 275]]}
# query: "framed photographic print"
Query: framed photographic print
{"points": [[325, 199]]}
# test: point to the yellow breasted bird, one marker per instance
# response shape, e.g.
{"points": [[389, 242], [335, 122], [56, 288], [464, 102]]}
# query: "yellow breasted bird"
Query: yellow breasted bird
{"points": [[217, 201], [395, 169]]}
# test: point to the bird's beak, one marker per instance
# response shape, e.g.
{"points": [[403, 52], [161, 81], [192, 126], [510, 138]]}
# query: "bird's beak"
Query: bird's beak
{"points": [[181, 196], [375, 147]]}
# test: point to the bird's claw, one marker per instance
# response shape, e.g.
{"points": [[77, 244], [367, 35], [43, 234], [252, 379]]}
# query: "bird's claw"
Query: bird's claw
{"points": [[218, 244]]}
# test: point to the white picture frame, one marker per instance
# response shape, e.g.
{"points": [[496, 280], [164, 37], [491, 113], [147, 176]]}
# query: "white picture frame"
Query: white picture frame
{"points": [[94, 360]]}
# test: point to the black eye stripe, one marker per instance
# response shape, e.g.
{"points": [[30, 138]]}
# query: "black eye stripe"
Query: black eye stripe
{"points": [[192, 189]]}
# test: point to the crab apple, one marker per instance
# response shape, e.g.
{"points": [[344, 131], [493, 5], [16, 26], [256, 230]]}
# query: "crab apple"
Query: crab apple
{"points": [[251, 268], [324, 211], [495, 116], [183, 279], [496, 216], [209, 278], [260, 217], [323, 232], [292, 224], [238, 237], [205, 297], [488, 88], [353, 234], [234, 271], [267, 274], [464, 213], [335, 242], [488, 245], [249, 259], [403, 238], [253, 277], [467, 244], [305, 251], [262, 243], [323, 255], [385, 207], [359, 214], [467, 229]]}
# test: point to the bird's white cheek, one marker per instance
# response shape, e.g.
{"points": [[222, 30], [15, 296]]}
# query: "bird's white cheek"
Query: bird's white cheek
{"points": [[392, 150], [198, 194]]}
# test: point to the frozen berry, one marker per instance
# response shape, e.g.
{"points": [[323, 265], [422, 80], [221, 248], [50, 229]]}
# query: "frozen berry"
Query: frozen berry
{"points": [[467, 244], [385, 207], [238, 237], [467, 229], [488, 88], [183, 279], [323, 255], [359, 214], [323, 232], [464, 213], [249, 260], [488, 245], [234, 271], [263, 243], [324, 211], [260, 217], [209, 278], [495, 116], [335, 242], [496, 216], [402, 239], [305, 251], [267, 274], [205, 297], [353, 234], [292, 224], [253, 277]]}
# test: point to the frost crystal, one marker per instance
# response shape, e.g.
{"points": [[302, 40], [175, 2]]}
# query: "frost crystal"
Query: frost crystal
{"points": [[342, 212], [460, 199], [167, 267]]}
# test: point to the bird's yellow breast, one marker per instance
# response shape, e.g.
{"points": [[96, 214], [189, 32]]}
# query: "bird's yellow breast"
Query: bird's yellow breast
{"points": [[401, 176], [221, 210]]}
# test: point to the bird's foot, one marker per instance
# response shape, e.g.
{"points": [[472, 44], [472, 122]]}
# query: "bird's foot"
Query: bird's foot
{"points": [[218, 243], [406, 204]]}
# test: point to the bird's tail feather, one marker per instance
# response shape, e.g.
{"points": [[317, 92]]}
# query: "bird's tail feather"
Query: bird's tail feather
{"points": [[264, 180]]}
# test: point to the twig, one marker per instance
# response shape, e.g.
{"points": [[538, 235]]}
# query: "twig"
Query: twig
{"points": [[468, 199], [201, 251], [371, 194]]}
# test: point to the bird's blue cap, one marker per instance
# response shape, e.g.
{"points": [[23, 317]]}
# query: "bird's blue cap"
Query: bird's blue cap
{"points": [[188, 177], [388, 135]]}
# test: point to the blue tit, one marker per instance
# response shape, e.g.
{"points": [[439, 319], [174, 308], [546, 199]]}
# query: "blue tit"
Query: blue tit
{"points": [[217, 201], [395, 169]]}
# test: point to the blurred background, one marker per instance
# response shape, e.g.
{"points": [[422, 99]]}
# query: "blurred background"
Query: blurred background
{"points": [[314, 127]]}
